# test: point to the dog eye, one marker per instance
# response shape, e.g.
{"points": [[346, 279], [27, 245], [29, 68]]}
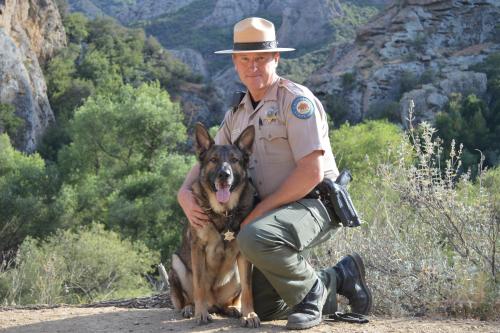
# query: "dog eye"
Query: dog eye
{"points": [[213, 160], [234, 160]]}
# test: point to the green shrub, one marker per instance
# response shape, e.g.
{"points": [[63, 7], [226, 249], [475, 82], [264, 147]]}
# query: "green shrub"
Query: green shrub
{"points": [[9, 121], [362, 147], [89, 265], [348, 80], [430, 241], [389, 110], [27, 192]]}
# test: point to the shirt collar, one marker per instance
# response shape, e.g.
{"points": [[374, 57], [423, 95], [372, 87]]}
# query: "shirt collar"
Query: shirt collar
{"points": [[271, 94]]}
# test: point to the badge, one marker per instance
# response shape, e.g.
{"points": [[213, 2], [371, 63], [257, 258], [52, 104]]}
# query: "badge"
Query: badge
{"points": [[271, 115], [228, 235], [302, 107]]}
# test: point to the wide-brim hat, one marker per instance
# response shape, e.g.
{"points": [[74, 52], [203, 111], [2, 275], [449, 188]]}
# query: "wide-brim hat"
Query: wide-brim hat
{"points": [[254, 34]]}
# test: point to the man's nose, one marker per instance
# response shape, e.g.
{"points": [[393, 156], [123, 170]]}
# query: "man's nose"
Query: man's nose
{"points": [[253, 65]]}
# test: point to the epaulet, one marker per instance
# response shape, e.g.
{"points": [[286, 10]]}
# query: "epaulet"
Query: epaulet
{"points": [[236, 99], [291, 87]]}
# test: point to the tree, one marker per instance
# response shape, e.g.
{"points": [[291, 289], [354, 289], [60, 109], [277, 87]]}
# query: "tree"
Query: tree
{"points": [[27, 192], [122, 167]]}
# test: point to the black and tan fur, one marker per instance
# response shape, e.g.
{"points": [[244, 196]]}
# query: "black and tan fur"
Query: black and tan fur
{"points": [[208, 272]]}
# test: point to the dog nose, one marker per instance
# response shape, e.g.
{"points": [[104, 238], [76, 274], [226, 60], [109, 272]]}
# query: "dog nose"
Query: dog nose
{"points": [[225, 172]]}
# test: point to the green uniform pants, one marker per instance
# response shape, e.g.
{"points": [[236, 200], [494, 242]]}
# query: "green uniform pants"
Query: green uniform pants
{"points": [[276, 244]]}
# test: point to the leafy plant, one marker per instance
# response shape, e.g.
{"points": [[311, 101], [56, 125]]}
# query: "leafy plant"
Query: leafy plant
{"points": [[75, 267]]}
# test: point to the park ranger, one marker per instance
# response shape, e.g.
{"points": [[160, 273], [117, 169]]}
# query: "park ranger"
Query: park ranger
{"points": [[291, 155]]}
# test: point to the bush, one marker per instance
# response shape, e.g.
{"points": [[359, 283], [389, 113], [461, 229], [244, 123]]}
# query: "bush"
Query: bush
{"points": [[362, 147], [89, 265], [10, 123], [27, 191], [431, 237]]}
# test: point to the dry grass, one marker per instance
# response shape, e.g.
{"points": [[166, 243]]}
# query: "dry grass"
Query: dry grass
{"points": [[431, 237]]}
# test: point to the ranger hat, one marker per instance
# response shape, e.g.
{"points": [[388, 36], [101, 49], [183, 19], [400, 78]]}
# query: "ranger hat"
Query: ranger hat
{"points": [[254, 34]]}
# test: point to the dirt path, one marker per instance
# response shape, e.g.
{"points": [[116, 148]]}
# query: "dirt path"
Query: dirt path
{"points": [[115, 320]]}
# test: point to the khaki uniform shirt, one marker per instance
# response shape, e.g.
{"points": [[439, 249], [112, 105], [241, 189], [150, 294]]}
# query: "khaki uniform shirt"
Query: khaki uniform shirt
{"points": [[290, 123]]}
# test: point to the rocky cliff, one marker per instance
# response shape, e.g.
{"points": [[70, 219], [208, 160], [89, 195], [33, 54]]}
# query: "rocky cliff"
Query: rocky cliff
{"points": [[127, 11], [30, 32], [415, 49]]}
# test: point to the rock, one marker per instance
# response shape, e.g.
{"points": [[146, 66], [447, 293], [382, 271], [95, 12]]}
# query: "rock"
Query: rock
{"points": [[30, 33], [193, 59], [128, 11], [305, 23], [415, 49], [437, 100], [228, 12], [465, 83]]}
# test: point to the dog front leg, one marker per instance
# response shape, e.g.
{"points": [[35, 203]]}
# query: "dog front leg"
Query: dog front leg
{"points": [[199, 287], [249, 318]]}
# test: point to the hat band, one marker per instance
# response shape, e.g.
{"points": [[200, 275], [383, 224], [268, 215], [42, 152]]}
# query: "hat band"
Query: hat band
{"points": [[255, 46]]}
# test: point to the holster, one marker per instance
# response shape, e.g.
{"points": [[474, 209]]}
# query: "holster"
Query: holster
{"points": [[336, 199]]}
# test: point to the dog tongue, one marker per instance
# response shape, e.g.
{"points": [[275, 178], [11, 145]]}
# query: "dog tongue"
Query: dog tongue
{"points": [[223, 194]]}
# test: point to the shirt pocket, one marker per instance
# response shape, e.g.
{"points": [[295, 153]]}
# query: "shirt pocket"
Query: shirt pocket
{"points": [[275, 142]]}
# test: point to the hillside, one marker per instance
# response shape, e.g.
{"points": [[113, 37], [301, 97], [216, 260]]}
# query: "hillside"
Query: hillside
{"points": [[422, 50], [179, 27]]}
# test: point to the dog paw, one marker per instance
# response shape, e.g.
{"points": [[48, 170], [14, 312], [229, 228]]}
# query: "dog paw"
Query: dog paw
{"points": [[187, 311], [250, 320], [232, 311], [204, 318]]}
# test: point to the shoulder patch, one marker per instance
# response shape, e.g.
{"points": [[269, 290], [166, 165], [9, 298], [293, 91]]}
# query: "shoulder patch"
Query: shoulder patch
{"points": [[302, 107]]}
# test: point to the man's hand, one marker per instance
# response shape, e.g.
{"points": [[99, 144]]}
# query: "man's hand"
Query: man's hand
{"points": [[195, 214]]}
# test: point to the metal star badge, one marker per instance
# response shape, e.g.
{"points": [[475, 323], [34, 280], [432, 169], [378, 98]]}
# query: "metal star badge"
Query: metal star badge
{"points": [[228, 235]]}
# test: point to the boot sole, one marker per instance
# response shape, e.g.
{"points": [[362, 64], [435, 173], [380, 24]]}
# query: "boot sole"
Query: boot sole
{"points": [[304, 326], [361, 267]]}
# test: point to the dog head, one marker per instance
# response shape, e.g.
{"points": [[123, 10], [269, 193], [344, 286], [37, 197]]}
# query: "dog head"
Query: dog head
{"points": [[223, 168]]}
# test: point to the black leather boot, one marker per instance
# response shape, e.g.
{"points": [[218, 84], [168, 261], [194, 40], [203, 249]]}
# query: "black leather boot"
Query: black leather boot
{"points": [[329, 278], [352, 284], [307, 313]]}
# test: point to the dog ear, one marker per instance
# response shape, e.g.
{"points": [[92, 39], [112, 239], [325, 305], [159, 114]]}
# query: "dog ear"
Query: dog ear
{"points": [[203, 139], [245, 140]]}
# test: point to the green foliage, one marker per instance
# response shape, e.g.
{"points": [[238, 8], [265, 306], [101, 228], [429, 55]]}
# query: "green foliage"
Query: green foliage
{"points": [[362, 147], [354, 16], [468, 120], [430, 238], [75, 267], [76, 27], [337, 107], [101, 57], [122, 169], [389, 110], [9, 122], [167, 29], [408, 82], [348, 80], [27, 189], [300, 68], [127, 130]]}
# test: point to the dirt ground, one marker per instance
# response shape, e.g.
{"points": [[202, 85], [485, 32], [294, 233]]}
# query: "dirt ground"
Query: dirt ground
{"points": [[114, 320]]}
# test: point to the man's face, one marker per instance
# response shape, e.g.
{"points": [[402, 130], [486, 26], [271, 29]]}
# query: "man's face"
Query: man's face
{"points": [[256, 70]]}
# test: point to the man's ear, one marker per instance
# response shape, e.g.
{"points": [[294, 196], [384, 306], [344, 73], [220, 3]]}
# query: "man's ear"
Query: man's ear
{"points": [[203, 139], [245, 140]]}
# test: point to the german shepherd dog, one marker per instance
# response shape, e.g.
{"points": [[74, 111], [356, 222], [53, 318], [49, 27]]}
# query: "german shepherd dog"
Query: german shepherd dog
{"points": [[208, 271]]}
